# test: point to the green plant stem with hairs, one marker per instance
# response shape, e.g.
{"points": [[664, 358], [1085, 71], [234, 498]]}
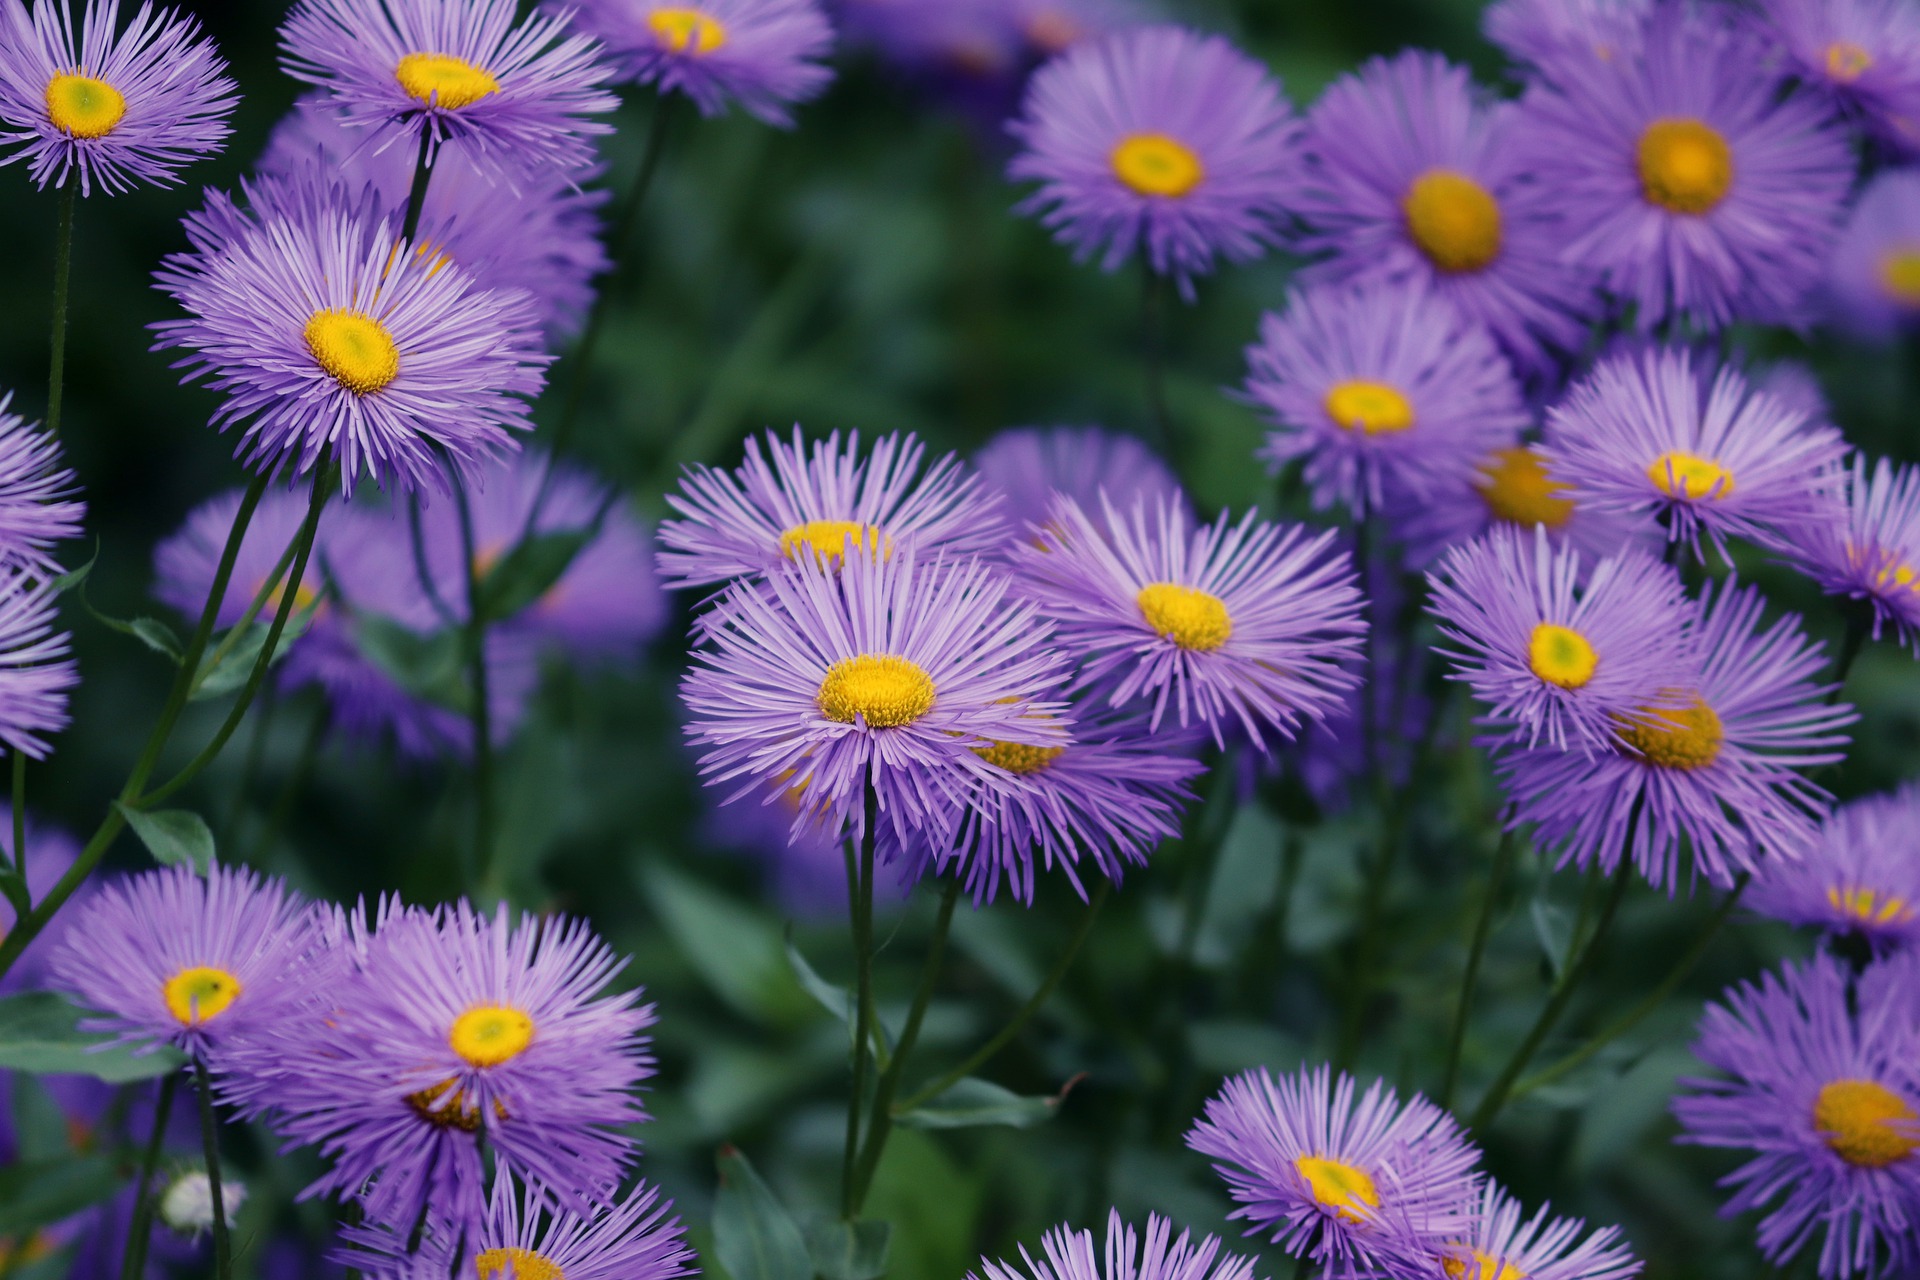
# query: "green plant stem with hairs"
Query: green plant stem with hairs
{"points": [[133, 1263], [210, 1141]]}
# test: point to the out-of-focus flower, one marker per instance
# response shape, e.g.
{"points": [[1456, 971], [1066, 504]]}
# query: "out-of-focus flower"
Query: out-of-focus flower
{"points": [[1070, 1255], [38, 502], [186, 562], [1542, 31], [186, 1205], [1862, 55], [1873, 280], [1861, 877], [1865, 546], [1027, 466], [35, 671], [1509, 489]]}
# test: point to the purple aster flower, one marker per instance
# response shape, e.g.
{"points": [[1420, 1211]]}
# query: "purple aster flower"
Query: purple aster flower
{"points": [[881, 671], [1862, 55], [446, 1030], [114, 108], [1865, 546], [1559, 654], [513, 96], [1161, 141], [1504, 1244], [1070, 1255], [1873, 279], [796, 503], [35, 671], [1794, 384], [1717, 772], [38, 506], [1335, 1177], [199, 962], [1413, 174], [1648, 437], [1246, 623], [1696, 189], [325, 332], [1385, 390], [186, 563], [1541, 32], [1825, 1098], [1861, 877], [764, 54], [1027, 466], [540, 235]]}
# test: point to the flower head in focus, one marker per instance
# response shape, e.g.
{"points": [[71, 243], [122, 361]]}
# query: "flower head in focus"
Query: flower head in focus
{"points": [[1872, 289], [1158, 1255], [1861, 877], [39, 505], [1503, 1243], [1028, 465], [36, 672], [765, 55]]}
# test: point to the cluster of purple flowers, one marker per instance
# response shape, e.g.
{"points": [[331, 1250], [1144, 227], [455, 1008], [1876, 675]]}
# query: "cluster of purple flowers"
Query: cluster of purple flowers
{"points": [[39, 509]]}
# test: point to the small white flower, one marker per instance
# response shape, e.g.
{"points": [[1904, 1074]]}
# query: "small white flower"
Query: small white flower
{"points": [[187, 1203]]}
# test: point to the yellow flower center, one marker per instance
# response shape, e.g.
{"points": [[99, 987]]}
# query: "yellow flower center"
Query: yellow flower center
{"points": [[1155, 165], [1900, 274], [1453, 219], [1187, 616], [827, 539], [1373, 408], [442, 80], [490, 1034], [1866, 1124], [1517, 489], [1688, 737], [679, 29], [1343, 1188], [1476, 1265], [1018, 757], [520, 1264], [1685, 165], [1870, 906], [199, 994], [1847, 61], [355, 349], [1560, 655], [446, 1107], [84, 107], [1688, 475], [883, 689]]}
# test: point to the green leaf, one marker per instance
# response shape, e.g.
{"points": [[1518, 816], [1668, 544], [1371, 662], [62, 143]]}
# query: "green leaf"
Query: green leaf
{"points": [[754, 1237], [236, 665], [34, 1195], [529, 571], [844, 1250], [974, 1102], [836, 1000], [40, 1033], [172, 836], [737, 950], [40, 1127], [74, 577], [427, 666], [151, 632]]}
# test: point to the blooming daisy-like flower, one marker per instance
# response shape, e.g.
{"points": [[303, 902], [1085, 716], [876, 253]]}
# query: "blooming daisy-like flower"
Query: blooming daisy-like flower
{"points": [[1509, 489], [325, 332], [881, 671], [1862, 55], [1160, 141], [1873, 279], [1413, 173], [113, 108], [1717, 772], [1860, 878], [38, 506], [186, 563], [1540, 31], [796, 503], [1826, 1100], [35, 671], [764, 54], [1159, 1255], [1696, 189], [1249, 623], [1647, 437], [1027, 466], [199, 962], [1332, 1176], [1385, 390], [1557, 654], [1504, 1244], [514, 95], [1867, 547]]}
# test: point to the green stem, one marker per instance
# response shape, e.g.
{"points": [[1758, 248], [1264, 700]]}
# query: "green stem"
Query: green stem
{"points": [[261, 595], [1020, 1019], [1483, 929], [62, 279], [133, 1263], [417, 192], [860, 905], [475, 642], [210, 1139]]}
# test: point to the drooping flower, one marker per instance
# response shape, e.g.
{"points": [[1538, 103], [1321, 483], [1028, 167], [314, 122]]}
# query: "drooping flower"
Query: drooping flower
{"points": [[201, 962], [1502, 1243], [1385, 390], [325, 332], [1159, 1255], [1872, 286], [1028, 465], [1697, 192], [1865, 546], [1648, 437], [514, 96], [39, 505], [1560, 650], [1826, 1100], [1157, 141], [1860, 878], [1861, 55], [1247, 624], [1716, 776], [1539, 32], [113, 108], [765, 55], [797, 503], [1413, 174], [35, 671], [1335, 1177]]}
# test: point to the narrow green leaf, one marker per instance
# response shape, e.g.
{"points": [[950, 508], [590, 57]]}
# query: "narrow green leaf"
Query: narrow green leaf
{"points": [[74, 577], [836, 1000], [736, 949], [754, 1237], [40, 1033], [34, 1195], [844, 1250], [172, 836], [428, 666], [974, 1102], [529, 571]]}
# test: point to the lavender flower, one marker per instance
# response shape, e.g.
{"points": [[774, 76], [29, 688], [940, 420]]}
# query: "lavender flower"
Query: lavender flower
{"points": [[1872, 288], [1510, 488], [38, 502], [1865, 546], [1504, 1244], [1863, 56], [186, 562], [1860, 878], [764, 54], [1070, 1255], [35, 671], [1027, 466], [1542, 32]]}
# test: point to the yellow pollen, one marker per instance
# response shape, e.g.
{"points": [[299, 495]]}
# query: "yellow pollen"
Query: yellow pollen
{"points": [[1187, 616], [1372, 408], [1688, 737], [1900, 274], [84, 107], [1018, 757], [1560, 655], [1847, 61], [355, 349], [1453, 219], [445, 1107], [1155, 165], [1869, 906], [198, 995], [1517, 489], [1343, 1188], [1476, 1265], [885, 690], [1687, 475], [680, 29], [1866, 1124], [827, 539], [520, 1264], [490, 1034], [1685, 165], [444, 81]]}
